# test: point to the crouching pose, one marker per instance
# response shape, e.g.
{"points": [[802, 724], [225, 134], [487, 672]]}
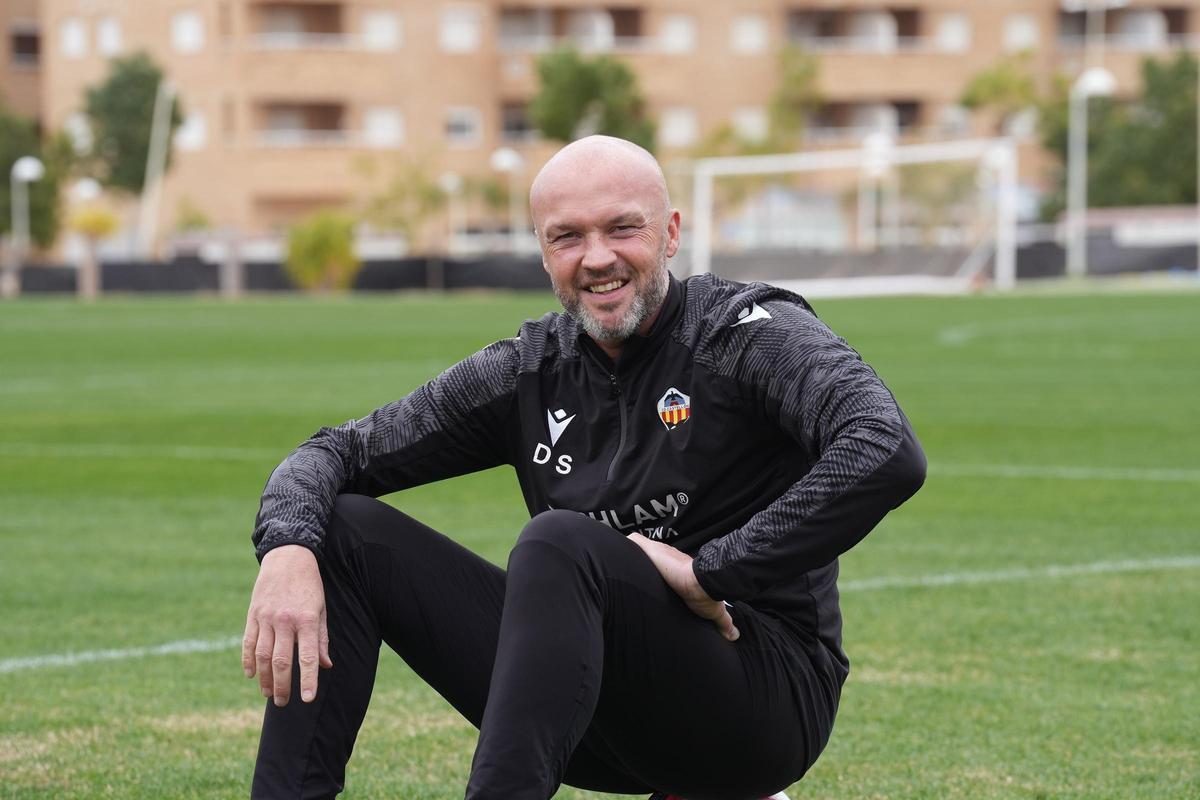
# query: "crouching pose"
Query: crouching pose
{"points": [[695, 456]]}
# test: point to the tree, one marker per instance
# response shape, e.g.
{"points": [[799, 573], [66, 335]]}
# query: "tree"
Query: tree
{"points": [[407, 200], [121, 112], [581, 96], [1005, 89], [796, 96], [1141, 151], [320, 253], [18, 137]]}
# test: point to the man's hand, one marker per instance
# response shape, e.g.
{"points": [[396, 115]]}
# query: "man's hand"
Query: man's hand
{"points": [[676, 569], [287, 611]]}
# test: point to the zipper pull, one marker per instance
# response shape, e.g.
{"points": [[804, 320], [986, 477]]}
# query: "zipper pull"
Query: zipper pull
{"points": [[614, 387]]}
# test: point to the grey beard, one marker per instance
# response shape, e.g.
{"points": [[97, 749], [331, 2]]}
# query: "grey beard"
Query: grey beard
{"points": [[642, 306]]}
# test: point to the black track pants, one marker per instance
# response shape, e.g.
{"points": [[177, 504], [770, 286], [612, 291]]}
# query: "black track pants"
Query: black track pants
{"points": [[579, 665]]}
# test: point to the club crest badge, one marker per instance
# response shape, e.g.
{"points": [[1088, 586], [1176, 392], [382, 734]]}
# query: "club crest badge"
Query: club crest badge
{"points": [[674, 408]]}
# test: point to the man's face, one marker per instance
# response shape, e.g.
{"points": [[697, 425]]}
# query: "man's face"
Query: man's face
{"points": [[606, 239]]}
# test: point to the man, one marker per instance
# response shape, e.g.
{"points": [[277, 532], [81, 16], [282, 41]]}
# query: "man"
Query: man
{"points": [[682, 633]]}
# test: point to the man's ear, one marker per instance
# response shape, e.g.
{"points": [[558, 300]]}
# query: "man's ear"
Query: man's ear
{"points": [[673, 222]]}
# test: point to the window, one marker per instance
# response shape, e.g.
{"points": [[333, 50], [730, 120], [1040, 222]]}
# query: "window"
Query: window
{"points": [[108, 36], [72, 38], [25, 45], [463, 126], [460, 29], [748, 34], [1021, 33], [187, 32], [954, 33], [383, 127], [515, 125], [526, 28], [193, 133], [678, 34], [592, 29], [750, 123], [678, 127], [1144, 28], [381, 30]]}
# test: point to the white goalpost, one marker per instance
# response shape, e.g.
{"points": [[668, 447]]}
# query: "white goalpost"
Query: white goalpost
{"points": [[862, 226]]}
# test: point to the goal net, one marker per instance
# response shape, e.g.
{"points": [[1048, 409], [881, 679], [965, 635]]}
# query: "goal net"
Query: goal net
{"points": [[880, 219]]}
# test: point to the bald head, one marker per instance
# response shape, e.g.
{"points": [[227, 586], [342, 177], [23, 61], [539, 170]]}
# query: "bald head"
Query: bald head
{"points": [[597, 167]]}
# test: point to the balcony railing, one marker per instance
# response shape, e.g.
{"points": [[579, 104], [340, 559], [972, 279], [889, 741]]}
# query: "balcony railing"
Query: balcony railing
{"points": [[306, 41], [304, 137], [869, 44], [1131, 42], [540, 43], [856, 133]]}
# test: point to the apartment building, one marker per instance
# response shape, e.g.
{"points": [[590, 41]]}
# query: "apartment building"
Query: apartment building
{"points": [[20, 57], [296, 104]]}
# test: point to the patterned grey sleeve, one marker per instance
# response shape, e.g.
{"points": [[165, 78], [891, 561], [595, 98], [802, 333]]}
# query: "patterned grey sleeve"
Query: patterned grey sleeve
{"points": [[866, 459], [455, 424]]}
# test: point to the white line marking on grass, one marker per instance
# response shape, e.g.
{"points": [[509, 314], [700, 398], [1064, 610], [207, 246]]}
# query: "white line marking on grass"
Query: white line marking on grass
{"points": [[101, 450], [863, 585], [1019, 574], [90, 656], [1052, 471]]}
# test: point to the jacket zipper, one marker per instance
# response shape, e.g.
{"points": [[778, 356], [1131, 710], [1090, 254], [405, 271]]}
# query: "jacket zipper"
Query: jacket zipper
{"points": [[616, 393]]}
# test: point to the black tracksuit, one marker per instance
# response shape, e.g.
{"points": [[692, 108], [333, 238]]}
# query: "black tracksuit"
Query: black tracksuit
{"points": [[739, 430]]}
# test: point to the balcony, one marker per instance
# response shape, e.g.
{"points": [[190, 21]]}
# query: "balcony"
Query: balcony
{"points": [[851, 122], [861, 32], [293, 125], [1130, 30], [602, 30], [320, 27]]}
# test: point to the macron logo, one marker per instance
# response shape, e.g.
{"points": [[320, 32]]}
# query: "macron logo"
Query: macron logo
{"points": [[558, 422], [752, 314]]}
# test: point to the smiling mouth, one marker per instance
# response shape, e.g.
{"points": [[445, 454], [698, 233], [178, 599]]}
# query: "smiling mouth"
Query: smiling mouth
{"points": [[605, 288]]}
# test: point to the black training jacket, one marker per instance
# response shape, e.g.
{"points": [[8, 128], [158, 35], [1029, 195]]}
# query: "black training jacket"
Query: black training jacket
{"points": [[741, 430]]}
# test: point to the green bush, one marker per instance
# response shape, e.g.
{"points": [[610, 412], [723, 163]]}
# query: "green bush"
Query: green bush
{"points": [[320, 253]]}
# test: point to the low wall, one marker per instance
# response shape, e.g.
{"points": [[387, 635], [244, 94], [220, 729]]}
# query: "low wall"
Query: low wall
{"points": [[1034, 260]]}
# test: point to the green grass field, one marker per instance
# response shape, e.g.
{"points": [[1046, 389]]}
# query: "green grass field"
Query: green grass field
{"points": [[135, 436]]}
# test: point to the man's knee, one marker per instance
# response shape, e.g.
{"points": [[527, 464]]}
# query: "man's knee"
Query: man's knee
{"points": [[567, 537], [567, 530], [353, 521]]}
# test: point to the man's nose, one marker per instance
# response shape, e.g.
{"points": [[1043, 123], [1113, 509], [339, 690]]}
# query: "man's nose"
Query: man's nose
{"points": [[597, 254]]}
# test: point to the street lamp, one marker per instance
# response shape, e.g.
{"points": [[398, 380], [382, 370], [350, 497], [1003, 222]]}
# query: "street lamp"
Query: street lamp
{"points": [[1094, 82], [451, 184], [505, 159], [25, 170]]}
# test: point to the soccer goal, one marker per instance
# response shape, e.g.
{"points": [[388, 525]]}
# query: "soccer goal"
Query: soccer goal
{"points": [[879, 219]]}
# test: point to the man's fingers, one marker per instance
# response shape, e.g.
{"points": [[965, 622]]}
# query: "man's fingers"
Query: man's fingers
{"points": [[725, 625], [249, 640], [262, 658], [718, 612], [307, 648], [281, 662], [326, 661]]}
